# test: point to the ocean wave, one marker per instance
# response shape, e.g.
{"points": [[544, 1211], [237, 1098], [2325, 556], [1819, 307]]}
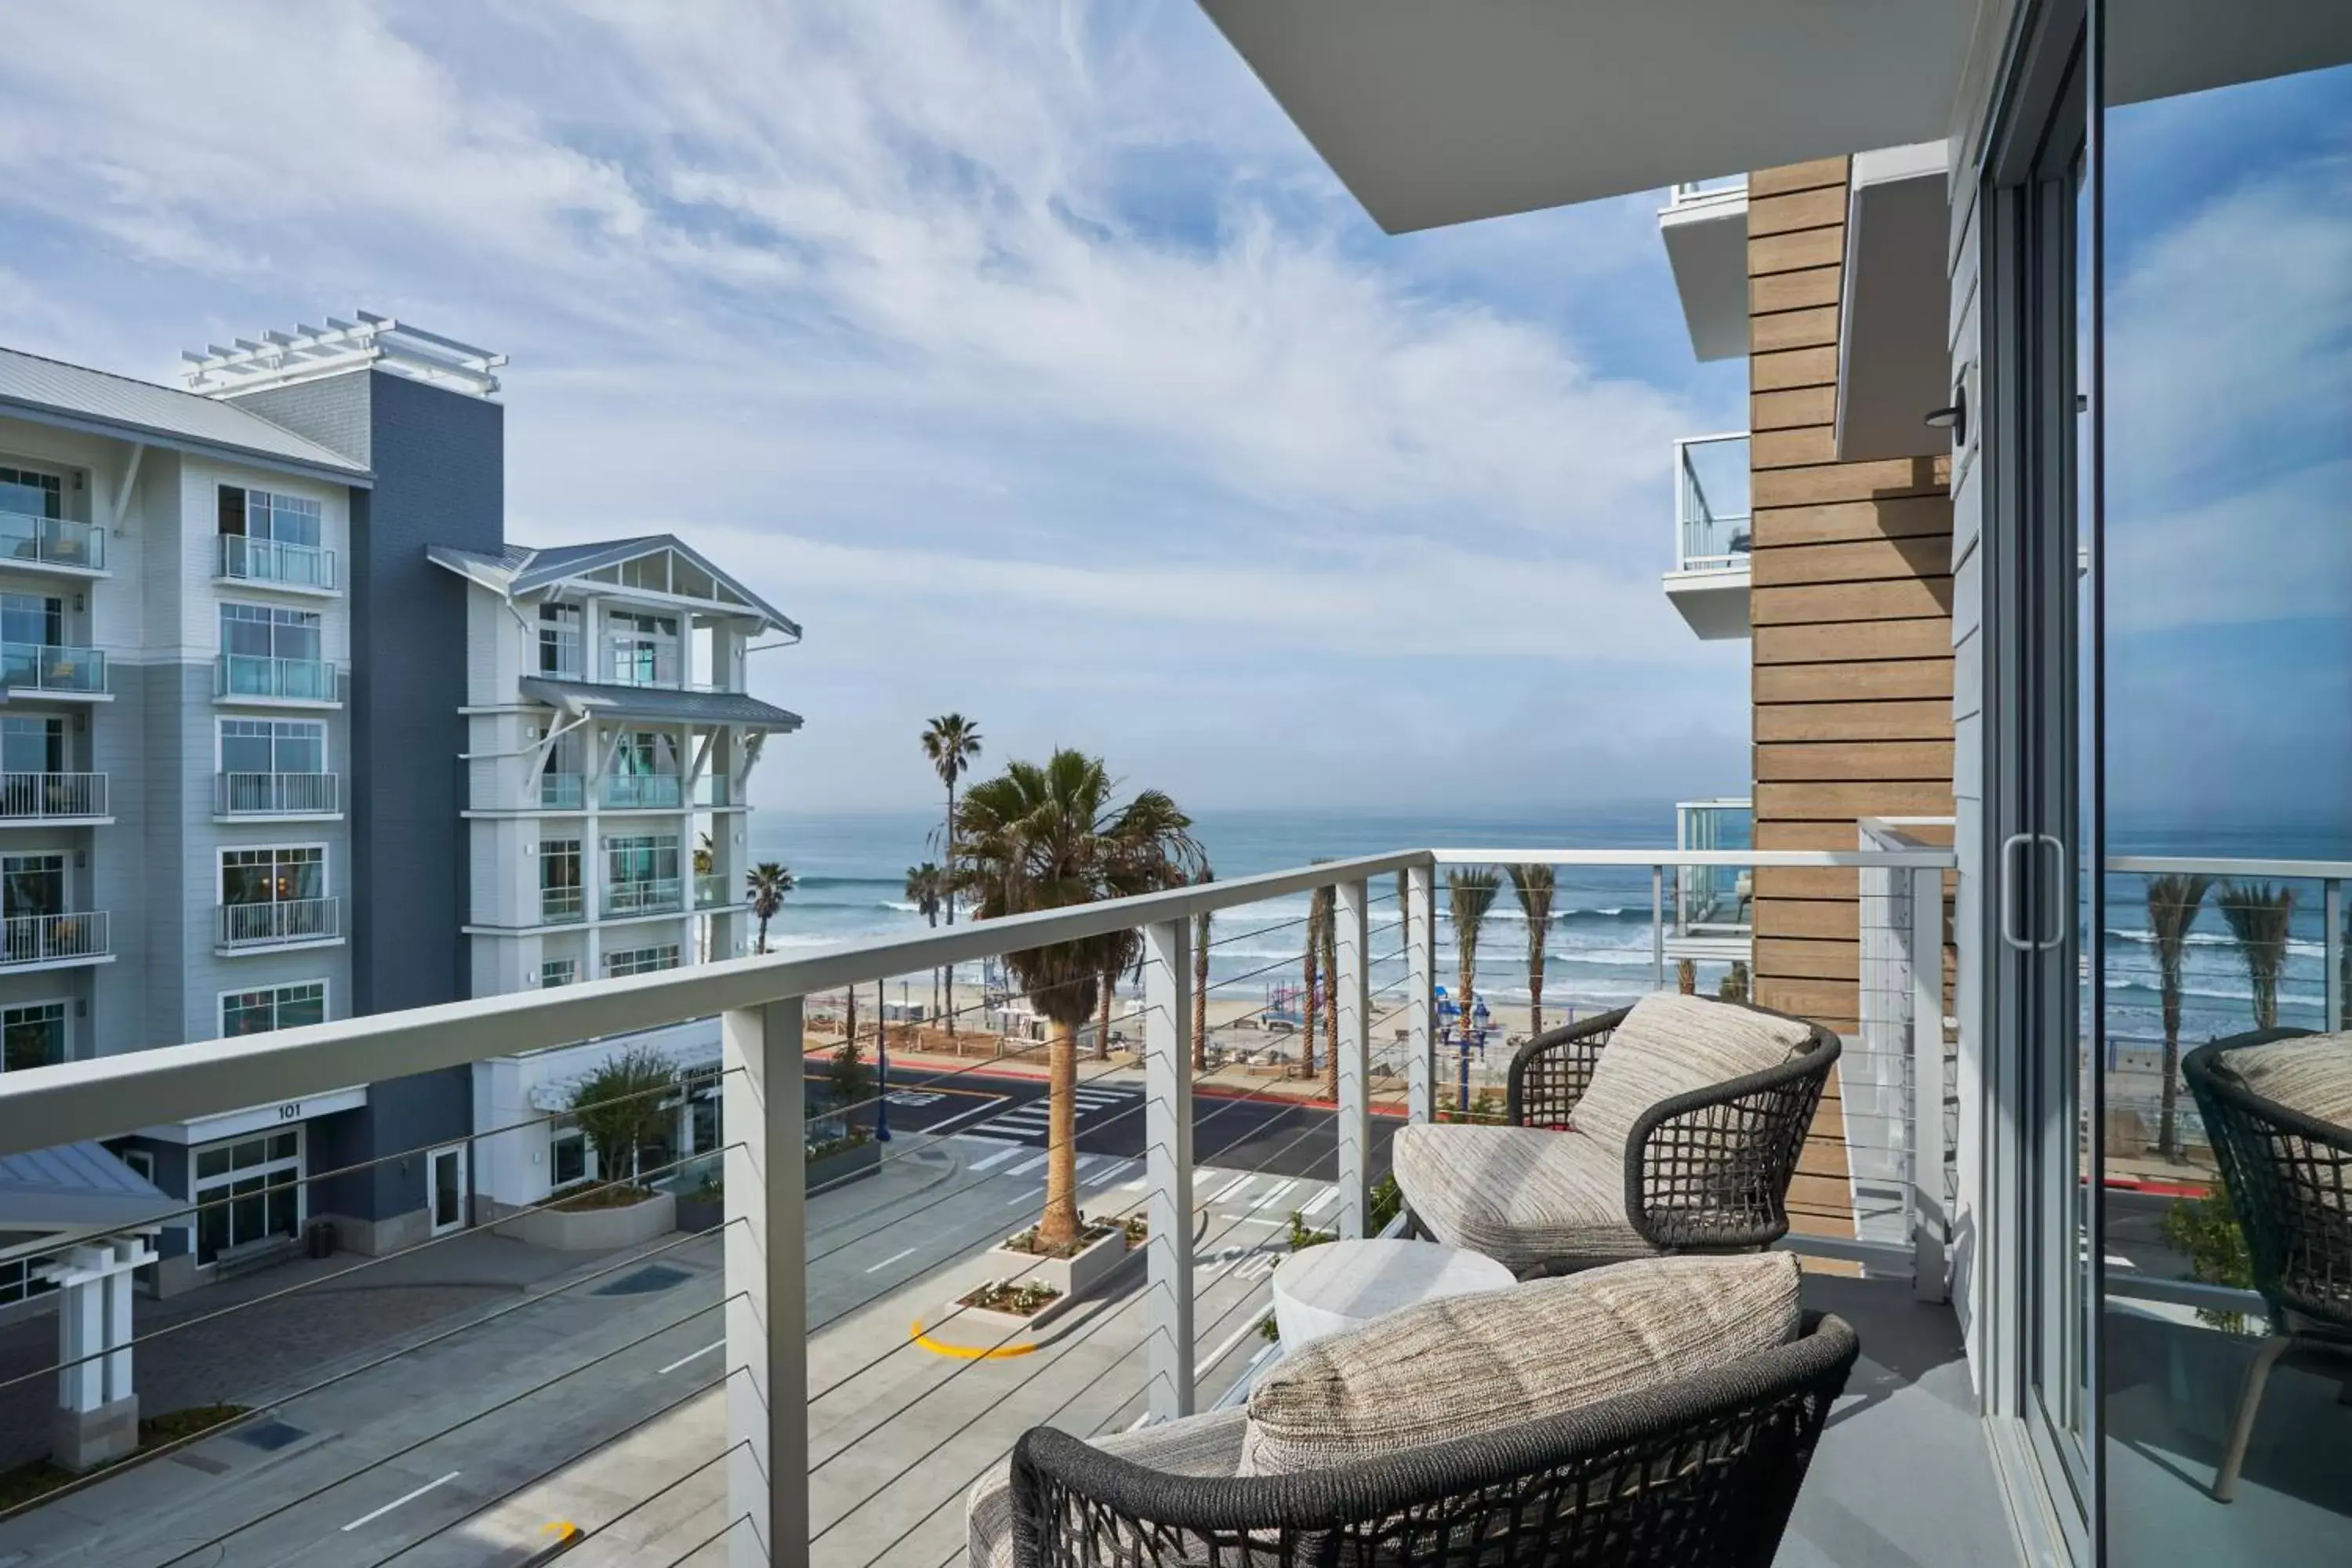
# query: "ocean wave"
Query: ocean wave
{"points": [[2126, 984], [2296, 946]]}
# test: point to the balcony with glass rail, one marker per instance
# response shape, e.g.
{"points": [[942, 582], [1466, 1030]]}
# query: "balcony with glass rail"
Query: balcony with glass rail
{"points": [[710, 891], [1713, 904], [304, 568], [30, 941], [246, 795], [55, 798], [642, 792], [29, 541], [293, 682], [562, 905], [278, 923], [646, 895], [53, 669], [1713, 535]]}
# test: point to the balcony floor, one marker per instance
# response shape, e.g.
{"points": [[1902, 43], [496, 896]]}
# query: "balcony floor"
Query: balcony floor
{"points": [[1903, 1474]]}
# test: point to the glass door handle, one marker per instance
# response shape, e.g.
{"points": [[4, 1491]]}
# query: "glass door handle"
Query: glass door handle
{"points": [[2012, 885], [2062, 883]]}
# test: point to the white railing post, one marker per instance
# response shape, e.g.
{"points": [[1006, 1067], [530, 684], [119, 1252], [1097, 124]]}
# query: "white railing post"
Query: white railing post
{"points": [[1421, 999], [2331, 951], [766, 1284], [1168, 1166], [1926, 943], [1351, 1001]]}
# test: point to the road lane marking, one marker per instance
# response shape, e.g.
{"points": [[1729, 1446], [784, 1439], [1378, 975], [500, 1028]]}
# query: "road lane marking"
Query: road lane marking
{"points": [[995, 1160], [1031, 1196], [1027, 1165], [411, 1497], [1236, 1187], [715, 1344], [1276, 1193], [937, 1128], [1330, 1196], [1237, 1336], [889, 1260], [1104, 1179]]}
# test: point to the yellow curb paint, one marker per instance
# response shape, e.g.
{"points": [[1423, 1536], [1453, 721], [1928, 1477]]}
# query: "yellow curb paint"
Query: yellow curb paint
{"points": [[965, 1352]]}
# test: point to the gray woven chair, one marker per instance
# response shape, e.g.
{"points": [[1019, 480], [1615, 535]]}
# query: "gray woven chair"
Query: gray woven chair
{"points": [[1703, 1164], [1698, 1473], [2290, 1178]]}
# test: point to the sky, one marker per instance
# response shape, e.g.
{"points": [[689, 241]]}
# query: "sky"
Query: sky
{"points": [[1025, 354]]}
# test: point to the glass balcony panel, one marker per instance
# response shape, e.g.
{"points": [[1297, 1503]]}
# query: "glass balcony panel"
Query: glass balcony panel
{"points": [[626, 792], [275, 560], [51, 666], [560, 905], [286, 680], [52, 542], [562, 792], [654, 896], [1712, 531]]}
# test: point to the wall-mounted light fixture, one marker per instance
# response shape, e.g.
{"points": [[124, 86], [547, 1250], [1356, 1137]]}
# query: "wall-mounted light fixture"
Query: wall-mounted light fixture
{"points": [[1953, 417]]}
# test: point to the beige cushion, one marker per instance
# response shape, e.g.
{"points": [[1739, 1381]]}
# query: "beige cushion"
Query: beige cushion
{"points": [[2312, 1074], [1526, 1197], [1471, 1365], [1207, 1445], [1670, 1045]]}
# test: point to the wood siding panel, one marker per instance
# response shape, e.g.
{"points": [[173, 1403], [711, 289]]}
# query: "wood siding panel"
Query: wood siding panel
{"points": [[1795, 290], [1812, 174], [1793, 329], [1818, 604], [1861, 561], [1802, 209], [1929, 638], [1834, 522], [1797, 958], [1792, 449], [1829, 802], [1793, 367], [1853, 761], [1787, 410], [1847, 482], [1923, 720], [1837, 920], [1795, 252]]}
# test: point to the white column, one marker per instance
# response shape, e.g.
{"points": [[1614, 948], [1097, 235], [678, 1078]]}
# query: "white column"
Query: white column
{"points": [[1351, 1000], [1168, 1166], [1421, 965], [1657, 930], [1926, 941], [766, 1284], [81, 1330], [128, 1252]]}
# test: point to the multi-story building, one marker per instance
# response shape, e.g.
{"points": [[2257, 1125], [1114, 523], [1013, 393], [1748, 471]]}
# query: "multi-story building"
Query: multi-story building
{"points": [[249, 715]]}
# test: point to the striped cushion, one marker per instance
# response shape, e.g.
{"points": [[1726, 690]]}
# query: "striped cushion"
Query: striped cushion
{"points": [[2311, 1074], [1670, 1045], [1467, 1365], [1207, 1445], [1525, 1197]]}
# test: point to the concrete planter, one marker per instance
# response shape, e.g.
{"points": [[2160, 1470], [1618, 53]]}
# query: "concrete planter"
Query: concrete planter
{"points": [[1075, 1277], [857, 1161], [595, 1230], [698, 1215]]}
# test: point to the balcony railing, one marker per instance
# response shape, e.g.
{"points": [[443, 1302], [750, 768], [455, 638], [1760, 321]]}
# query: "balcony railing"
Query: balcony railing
{"points": [[28, 940], [710, 890], [277, 795], [1706, 193], [1712, 532], [1714, 900], [560, 906], [783, 1300], [562, 792], [247, 560], [52, 667], [37, 798], [711, 789], [656, 896], [276, 679], [27, 539], [626, 792], [279, 922]]}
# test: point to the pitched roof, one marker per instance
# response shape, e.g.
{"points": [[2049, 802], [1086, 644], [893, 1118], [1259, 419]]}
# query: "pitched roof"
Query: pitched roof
{"points": [[73, 1186], [518, 570], [56, 393], [660, 704]]}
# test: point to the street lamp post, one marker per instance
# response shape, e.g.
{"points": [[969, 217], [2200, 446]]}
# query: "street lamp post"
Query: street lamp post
{"points": [[882, 1070]]}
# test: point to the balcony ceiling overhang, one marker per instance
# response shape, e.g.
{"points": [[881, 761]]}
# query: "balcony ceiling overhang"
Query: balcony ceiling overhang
{"points": [[659, 704], [1893, 359], [1435, 114]]}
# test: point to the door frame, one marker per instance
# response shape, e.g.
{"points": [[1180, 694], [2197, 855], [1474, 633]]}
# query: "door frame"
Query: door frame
{"points": [[433, 1224]]}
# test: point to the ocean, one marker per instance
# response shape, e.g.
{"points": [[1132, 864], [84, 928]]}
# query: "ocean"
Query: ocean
{"points": [[852, 884]]}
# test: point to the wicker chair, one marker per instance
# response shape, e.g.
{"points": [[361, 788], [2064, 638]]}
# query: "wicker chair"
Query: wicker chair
{"points": [[2290, 1178], [1706, 1170], [1698, 1473]]}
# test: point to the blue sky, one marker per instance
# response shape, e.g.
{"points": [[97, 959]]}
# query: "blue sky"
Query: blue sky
{"points": [[1025, 354]]}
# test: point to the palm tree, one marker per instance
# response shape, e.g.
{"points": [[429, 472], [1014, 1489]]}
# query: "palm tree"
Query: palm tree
{"points": [[1200, 923], [951, 741], [767, 883], [705, 861], [925, 885], [1471, 894], [1128, 956], [1534, 885], [1049, 837], [1330, 900], [2172, 905], [2260, 916], [1311, 972]]}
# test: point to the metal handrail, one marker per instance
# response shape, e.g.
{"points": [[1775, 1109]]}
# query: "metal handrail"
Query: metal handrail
{"points": [[1697, 524], [277, 795], [45, 939], [31, 798], [275, 921]]}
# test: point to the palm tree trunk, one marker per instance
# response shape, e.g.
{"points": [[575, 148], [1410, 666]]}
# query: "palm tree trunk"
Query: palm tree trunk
{"points": [[2167, 1114], [1058, 1226], [1200, 994], [1534, 982], [951, 851], [1307, 1018], [1102, 1020], [1331, 1006], [849, 1019]]}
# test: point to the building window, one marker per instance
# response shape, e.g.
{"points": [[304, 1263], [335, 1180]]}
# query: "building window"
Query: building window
{"points": [[265, 631], [641, 650], [32, 1036], [32, 745], [265, 514], [567, 1153], [30, 493], [141, 1161], [248, 1189], [273, 875], [558, 878], [556, 972], [16, 1281], [641, 960], [560, 631], [32, 618], [32, 885], [275, 1008], [641, 873]]}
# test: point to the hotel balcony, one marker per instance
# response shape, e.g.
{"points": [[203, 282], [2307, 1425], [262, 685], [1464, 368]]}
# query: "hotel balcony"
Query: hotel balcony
{"points": [[63, 800], [1708, 584], [51, 543], [260, 679], [1704, 225], [711, 892], [53, 670], [270, 562], [55, 941], [656, 896], [278, 924], [562, 906], [278, 795], [642, 792]]}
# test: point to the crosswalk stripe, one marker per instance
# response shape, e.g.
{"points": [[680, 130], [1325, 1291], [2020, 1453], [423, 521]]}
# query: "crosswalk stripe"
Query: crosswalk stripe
{"points": [[995, 1160], [1278, 1192], [1330, 1196], [1238, 1184], [1026, 1166]]}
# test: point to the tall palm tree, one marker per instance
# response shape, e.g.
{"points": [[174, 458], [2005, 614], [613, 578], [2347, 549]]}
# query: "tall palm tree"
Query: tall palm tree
{"points": [[1471, 894], [926, 888], [1128, 956], [1311, 973], [2172, 905], [1048, 836], [1535, 886], [1331, 898], [704, 862], [951, 741], [767, 883], [1201, 925], [2260, 916]]}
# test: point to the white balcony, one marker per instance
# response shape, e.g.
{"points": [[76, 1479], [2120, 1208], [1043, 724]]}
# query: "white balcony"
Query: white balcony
{"points": [[278, 924], [1704, 225], [259, 680], [275, 564], [279, 795], [652, 896], [57, 799], [55, 941], [1709, 581], [28, 542], [53, 670]]}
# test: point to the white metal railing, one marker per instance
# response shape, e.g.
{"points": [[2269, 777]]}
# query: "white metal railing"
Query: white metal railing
{"points": [[650, 896], [247, 560], [52, 667], [52, 542], [35, 797], [761, 1003], [278, 922], [52, 939], [277, 795], [1705, 193], [281, 680], [1712, 528]]}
